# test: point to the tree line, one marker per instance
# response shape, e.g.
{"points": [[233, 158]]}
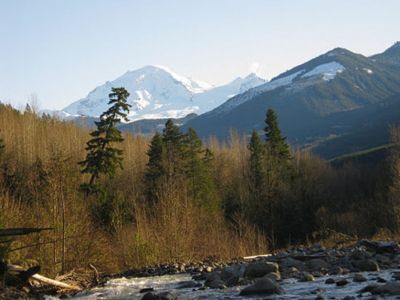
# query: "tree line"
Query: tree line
{"points": [[119, 201]]}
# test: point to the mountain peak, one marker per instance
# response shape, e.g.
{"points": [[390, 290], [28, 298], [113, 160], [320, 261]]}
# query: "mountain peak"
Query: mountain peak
{"points": [[338, 51], [252, 76], [390, 56], [394, 47], [158, 92]]}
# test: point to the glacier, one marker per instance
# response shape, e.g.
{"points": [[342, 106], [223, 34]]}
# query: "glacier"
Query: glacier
{"points": [[156, 92], [328, 71]]}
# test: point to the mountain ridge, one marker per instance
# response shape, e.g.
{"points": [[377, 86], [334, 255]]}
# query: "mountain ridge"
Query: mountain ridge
{"points": [[338, 81]]}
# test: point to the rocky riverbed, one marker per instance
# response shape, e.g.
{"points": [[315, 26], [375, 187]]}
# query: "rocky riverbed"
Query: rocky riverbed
{"points": [[369, 270]]}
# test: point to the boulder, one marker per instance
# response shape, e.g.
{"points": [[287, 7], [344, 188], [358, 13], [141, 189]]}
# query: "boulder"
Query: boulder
{"points": [[214, 281], [291, 262], [216, 284], [341, 282], [263, 286], [317, 264], [369, 288], [359, 254], [330, 281], [367, 265], [390, 288], [380, 246], [358, 277], [232, 274], [307, 277], [336, 270], [276, 276], [260, 269], [384, 259]]}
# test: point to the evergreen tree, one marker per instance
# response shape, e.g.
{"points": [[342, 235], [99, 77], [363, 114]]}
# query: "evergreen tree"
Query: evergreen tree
{"points": [[174, 151], [276, 143], [155, 167], [257, 162], [102, 157], [200, 183]]}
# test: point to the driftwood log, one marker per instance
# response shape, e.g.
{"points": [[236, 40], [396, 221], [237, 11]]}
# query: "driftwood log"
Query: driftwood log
{"points": [[42, 279]]}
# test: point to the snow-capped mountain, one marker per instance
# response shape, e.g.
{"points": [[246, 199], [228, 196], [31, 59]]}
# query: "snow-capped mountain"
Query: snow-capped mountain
{"points": [[156, 93], [336, 94]]}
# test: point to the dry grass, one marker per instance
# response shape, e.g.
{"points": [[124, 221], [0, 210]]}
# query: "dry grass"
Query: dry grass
{"points": [[40, 174]]}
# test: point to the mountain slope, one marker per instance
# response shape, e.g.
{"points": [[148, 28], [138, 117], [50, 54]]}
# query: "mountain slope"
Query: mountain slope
{"points": [[156, 93], [310, 97]]}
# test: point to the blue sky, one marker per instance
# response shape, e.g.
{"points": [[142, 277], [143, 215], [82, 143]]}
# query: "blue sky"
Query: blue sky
{"points": [[62, 49]]}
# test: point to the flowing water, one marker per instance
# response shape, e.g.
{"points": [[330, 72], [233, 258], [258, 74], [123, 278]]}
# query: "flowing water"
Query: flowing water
{"points": [[129, 288]]}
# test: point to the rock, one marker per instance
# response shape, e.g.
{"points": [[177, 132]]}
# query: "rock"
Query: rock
{"points": [[232, 274], [336, 270], [260, 269], [160, 296], [383, 259], [380, 246], [199, 276], [390, 288], [214, 281], [213, 276], [263, 286], [145, 290], [209, 269], [276, 276], [381, 280], [330, 281], [307, 277], [349, 298], [367, 265], [317, 264], [358, 277], [188, 284], [341, 282], [369, 288], [216, 284], [291, 262], [396, 275]]}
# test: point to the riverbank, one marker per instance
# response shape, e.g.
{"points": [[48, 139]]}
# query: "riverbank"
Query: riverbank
{"points": [[362, 269]]}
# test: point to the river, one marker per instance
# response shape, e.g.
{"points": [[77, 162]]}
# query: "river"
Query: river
{"points": [[129, 288]]}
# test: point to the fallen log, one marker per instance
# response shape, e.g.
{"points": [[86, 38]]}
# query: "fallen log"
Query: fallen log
{"points": [[20, 231], [43, 279]]}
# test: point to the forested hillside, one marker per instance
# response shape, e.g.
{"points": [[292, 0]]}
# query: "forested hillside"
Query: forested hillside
{"points": [[177, 198]]}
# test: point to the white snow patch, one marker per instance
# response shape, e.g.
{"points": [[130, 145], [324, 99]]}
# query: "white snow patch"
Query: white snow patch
{"points": [[143, 99], [369, 71], [194, 86], [168, 114], [269, 86], [328, 71]]}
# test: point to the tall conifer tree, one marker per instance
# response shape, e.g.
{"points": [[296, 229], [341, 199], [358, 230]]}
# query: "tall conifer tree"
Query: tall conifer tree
{"points": [[276, 143], [174, 150], [155, 166], [257, 162], [102, 157], [198, 160]]}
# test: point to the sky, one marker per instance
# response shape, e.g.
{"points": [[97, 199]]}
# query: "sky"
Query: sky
{"points": [[57, 51]]}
